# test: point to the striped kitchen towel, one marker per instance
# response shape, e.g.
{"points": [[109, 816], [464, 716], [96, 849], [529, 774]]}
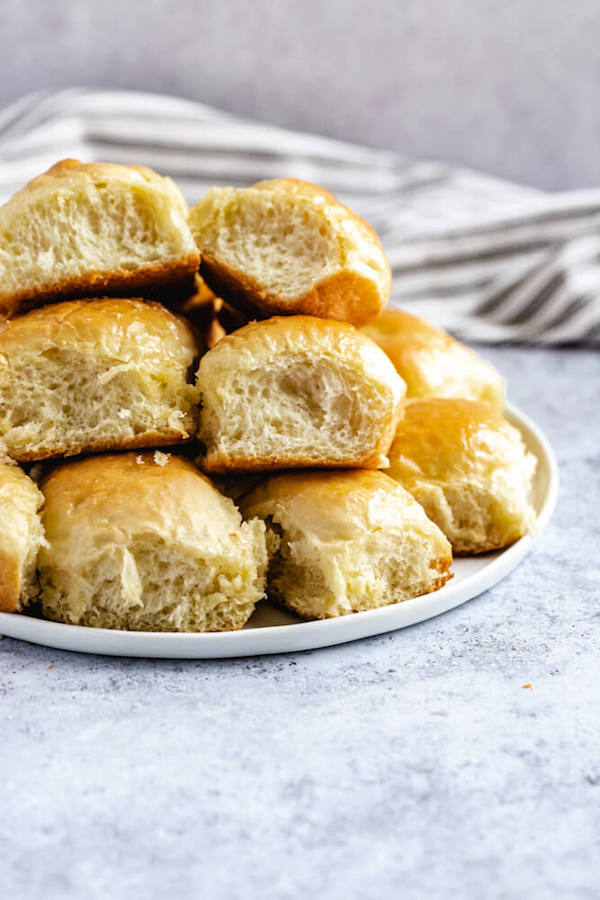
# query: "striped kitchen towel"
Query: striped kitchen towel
{"points": [[489, 260]]}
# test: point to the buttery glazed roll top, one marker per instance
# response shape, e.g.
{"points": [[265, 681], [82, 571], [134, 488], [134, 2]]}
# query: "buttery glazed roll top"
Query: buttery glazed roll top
{"points": [[451, 437], [260, 342], [290, 247], [469, 468], [116, 497], [127, 329], [297, 391], [333, 506], [431, 362], [93, 228]]}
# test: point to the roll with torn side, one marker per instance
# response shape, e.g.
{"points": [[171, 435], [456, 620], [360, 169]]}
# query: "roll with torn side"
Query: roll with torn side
{"points": [[288, 247], [297, 391], [21, 536], [93, 229], [469, 469], [146, 543], [431, 362], [87, 375], [344, 542]]}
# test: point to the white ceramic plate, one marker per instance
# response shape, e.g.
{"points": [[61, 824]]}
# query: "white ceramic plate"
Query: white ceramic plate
{"points": [[272, 630]]}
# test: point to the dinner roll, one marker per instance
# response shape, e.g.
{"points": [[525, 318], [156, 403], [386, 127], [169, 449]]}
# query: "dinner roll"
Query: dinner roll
{"points": [[88, 229], [21, 536], [343, 542], [286, 247], [469, 469], [297, 391], [431, 362], [146, 543], [88, 375]]}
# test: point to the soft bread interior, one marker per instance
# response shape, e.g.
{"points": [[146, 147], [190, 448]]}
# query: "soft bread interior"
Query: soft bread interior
{"points": [[33, 539], [146, 542], [283, 240], [21, 536], [283, 243], [95, 374], [346, 542], [63, 400], [485, 513], [374, 570], [295, 410], [150, 585], [60, 235]]}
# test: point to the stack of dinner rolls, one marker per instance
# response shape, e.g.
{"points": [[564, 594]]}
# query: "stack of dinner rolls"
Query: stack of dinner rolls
{"points": [[201, 408]]}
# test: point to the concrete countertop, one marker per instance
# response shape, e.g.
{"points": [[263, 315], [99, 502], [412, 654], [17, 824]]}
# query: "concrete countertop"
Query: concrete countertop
{"points": [[405, 766]]}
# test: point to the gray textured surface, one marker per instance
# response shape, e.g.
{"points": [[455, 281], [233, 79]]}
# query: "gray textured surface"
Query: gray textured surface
{"points": [[411, 765], [507, 87]]}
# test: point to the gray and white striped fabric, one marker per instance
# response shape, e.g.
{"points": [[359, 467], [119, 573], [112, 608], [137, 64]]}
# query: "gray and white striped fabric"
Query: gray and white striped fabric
{"points": [[490, 260]]}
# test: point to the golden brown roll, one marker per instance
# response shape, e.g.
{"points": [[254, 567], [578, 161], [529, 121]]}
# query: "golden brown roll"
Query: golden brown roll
{"points": [[93, 229], [21, 536], [431, 362], [288, 247], [87, 375], [297, 391], [145, 542], [469, 469], [343, 542]]}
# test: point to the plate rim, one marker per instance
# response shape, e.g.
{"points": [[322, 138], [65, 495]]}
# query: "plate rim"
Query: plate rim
{"points": [[296, 636]]}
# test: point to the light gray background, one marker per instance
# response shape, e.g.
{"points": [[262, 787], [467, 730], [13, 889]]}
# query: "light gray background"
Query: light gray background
{"points": [[508, 87]]}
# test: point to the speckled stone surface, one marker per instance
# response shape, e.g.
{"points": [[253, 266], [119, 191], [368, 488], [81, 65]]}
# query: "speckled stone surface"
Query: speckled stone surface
{"points": [[405, 766]]}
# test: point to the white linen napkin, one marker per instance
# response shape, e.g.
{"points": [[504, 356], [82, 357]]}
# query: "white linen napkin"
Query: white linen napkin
{"points": [[490, 260]]}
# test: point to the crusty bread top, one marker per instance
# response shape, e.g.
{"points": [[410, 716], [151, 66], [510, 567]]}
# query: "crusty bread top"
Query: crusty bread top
{"points": [[269, 340], [339, 506], [446, 438], [69, 173], [340, 268], [115, 497], [128, 329], [432, 362]]}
